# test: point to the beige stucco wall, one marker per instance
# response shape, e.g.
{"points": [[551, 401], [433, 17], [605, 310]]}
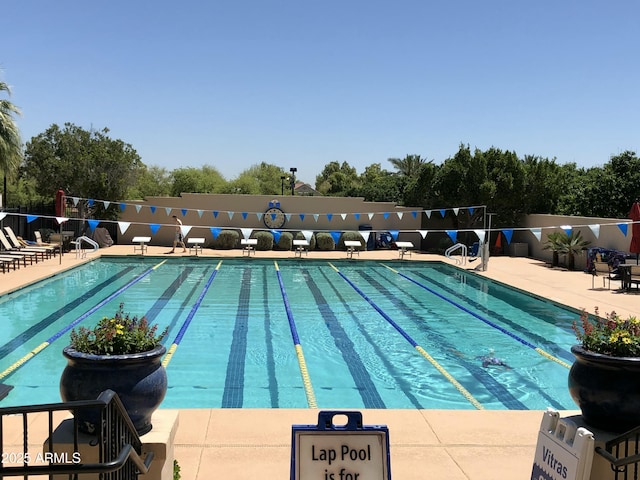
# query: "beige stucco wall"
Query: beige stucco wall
{"points": [[199, 210]]}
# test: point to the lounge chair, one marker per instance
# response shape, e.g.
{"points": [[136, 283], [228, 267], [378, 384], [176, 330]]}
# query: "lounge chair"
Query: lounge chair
{"points": [[9, 250], [13, 240], [602, 269], [52, 247]]}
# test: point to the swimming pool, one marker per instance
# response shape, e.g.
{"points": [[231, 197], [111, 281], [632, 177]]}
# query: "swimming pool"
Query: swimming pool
{"points": [[253, 333]]}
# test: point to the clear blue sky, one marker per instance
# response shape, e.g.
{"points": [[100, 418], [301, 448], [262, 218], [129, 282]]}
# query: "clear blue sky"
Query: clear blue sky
{"points": [[301, 83]]}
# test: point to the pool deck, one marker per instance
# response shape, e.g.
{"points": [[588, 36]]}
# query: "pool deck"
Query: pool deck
{"points": [[238, 444]]}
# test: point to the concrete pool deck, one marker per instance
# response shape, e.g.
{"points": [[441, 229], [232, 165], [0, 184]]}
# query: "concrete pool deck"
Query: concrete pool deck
{"points": [[439, 444]]}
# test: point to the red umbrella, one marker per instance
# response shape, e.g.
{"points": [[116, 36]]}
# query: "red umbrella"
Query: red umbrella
{"points": [[634, 215]]}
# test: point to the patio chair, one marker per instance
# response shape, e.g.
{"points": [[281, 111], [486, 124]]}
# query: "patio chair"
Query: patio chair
{"points": [[9, 250], [53, 248], [17, 245], [602, 269]]}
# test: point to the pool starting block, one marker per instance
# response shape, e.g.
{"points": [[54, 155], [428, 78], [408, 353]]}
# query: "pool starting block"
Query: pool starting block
{"points": [[564, 450], [328, 451]]}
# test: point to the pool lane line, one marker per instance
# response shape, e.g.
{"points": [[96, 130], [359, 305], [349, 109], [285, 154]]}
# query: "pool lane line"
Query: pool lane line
{"points": [[481, 318], [306, 380], [190, 316], [465, 393], [12, 368]]}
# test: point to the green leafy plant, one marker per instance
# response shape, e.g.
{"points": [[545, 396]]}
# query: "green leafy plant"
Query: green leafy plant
{"points": [[609, 335], [176, 470], [117, 335]]}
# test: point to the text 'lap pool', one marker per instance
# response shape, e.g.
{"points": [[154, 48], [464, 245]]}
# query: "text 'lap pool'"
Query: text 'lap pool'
{"points": [[303, 333]]}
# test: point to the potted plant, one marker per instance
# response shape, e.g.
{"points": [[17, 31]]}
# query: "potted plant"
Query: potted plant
{"points": [[604, 381], [121, 353]]}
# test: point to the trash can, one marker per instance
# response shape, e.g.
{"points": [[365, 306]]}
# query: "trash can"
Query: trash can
{"points": [[371, 241]]}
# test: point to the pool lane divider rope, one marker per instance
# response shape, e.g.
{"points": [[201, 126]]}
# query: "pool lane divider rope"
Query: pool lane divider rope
{"points": [[481, 318], [190, 316], [465, 393], [306, 380], [13, 367]]}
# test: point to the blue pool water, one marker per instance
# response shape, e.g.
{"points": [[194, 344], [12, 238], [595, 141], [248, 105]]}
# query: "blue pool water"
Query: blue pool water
{"points": [[370, 334]]}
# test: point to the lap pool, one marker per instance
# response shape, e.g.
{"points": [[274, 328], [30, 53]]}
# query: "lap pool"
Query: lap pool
{"points": [[254, 333]]}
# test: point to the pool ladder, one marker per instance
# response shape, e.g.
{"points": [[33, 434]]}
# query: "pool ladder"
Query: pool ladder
{"points": [[458, 246], [80, 252]]}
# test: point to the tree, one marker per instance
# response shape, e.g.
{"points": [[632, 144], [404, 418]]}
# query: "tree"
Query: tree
{"points": [[10, 142], [378, 185], [267, 179], [83, 163], [336, 179], [197, 180], [152, 181], [408, 166]]}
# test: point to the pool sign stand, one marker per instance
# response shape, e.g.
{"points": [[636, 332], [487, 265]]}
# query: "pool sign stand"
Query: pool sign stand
{"points": [[564, 451], [352, 451]]}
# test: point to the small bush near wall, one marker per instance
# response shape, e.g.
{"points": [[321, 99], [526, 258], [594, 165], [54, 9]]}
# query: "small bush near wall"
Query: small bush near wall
{"points": [[265, 241], [227, 239], [351, 236], [324, 241], [285, 242], [312, 240]]}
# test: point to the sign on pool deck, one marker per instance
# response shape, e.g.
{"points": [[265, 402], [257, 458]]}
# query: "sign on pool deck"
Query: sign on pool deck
{"points": [[352, 451]]}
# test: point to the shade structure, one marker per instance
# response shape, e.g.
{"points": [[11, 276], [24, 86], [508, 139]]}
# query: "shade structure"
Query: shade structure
{"points": [[634, 214]]}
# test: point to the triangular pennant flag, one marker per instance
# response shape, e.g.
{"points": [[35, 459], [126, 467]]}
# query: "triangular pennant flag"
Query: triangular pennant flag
{"points": [[385, 215], [2, 215], [443, 212], [168, 210], [623, 228], [184, 212], [185, 229], [301, 217], [215, 231], [415, 214], [230, 215], [200, 212], [287, 217], [400, 215], [336, 235], [123, 206], [566, 228], [215, 214], [90, 202], [329, 217], [31, 218], [246, 232], [471, 210], [276, 235], [537, 232], [370, 215], [453, 235], [481, 235], [394, 234], [508, 233], [357, 215], [423, 233], [153, 209], [427, 213], [455, 211], [123, 226], [307, 234], [365, 234], [244, 215], [93, 224], [343, 215], [138, 208], [75, 201], [106, 204], [154, 228], [595, 229], [315, 216], [61, 220], [259, 215]]}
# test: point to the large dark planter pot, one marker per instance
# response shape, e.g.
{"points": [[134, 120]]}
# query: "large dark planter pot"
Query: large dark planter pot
{"points": [[607, 389], [139, 379]]}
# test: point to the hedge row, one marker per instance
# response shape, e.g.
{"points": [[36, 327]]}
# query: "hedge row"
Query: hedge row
{"points": [[229, 239]]}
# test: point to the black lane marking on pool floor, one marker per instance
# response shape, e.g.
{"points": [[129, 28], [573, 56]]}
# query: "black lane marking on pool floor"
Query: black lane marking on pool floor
{"points": [[271, 368], [367, 389], [33, 330]]}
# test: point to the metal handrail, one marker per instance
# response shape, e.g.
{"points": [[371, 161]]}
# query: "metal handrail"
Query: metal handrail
{"points": [[453, 248], [119, 446], [616, 452]]}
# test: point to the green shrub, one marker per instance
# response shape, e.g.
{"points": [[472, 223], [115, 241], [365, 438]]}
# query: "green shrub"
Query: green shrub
{"points": [[285, 242], [324, 241], [352, 236], [227, 239], [265, 241], [312, 240]]}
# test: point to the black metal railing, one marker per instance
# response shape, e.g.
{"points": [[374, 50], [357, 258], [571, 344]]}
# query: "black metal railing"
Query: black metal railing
{"points": [[115, 442], [623, 452]]}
